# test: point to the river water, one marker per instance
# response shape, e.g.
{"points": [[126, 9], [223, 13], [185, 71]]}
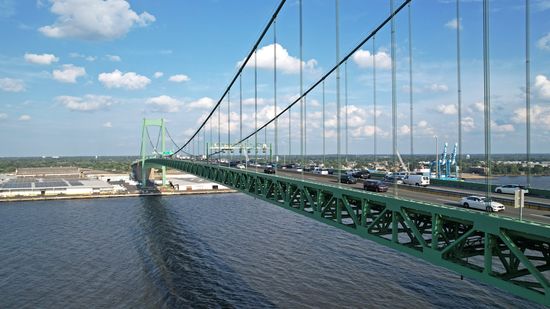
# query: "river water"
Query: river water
{"points": [[539, 182], [210, 251]]}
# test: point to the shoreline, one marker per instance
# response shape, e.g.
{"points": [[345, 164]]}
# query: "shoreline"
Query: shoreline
{"points": [[83, 197]]}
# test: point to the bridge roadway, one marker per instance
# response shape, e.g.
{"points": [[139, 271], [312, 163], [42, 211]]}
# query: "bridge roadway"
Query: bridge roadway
{"points": [[443, 195]]}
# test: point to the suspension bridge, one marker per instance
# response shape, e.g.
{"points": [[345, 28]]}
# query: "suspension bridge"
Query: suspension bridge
{"points": [[499, 250]]}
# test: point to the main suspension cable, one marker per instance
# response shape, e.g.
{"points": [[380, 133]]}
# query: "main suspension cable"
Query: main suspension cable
{"points": [[332, 70], [239, 71]]}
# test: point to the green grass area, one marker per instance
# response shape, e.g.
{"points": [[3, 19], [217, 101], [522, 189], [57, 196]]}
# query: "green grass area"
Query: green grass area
{"points": [[118, 164]]}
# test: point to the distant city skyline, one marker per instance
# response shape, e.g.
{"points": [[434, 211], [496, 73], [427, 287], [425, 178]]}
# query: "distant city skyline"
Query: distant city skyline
{"points": [[77, 77]]}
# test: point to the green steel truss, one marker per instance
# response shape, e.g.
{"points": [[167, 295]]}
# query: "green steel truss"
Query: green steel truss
{"points": [[499, 251]]}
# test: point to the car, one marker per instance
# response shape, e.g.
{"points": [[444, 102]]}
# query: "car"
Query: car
{"points": [[393, 179], [375, 185], [347, 179], [269, 170], [241, 166], [510, 189], [482, 203], [361, 174]]}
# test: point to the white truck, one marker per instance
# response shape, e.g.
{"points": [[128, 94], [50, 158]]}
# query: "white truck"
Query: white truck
{"points": [[416, 180]]}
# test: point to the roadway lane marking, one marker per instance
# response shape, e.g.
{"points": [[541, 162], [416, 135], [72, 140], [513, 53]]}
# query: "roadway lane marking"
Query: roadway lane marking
{"points": [[541, 216], [448, 201]]}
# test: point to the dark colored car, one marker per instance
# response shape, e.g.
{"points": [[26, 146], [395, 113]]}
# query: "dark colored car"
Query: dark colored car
{"points": [[375, 185], [361, 174], [331, 171], [348, 179], [393, 179], [269, 170]]}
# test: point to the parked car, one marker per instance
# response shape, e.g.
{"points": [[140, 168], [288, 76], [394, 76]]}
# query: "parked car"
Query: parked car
{"points": [[361, 174], [510, 189], [344, 178], [269, 170], [479, 202], [416, 180], [375, 185], [393, 179], [241, 166]]}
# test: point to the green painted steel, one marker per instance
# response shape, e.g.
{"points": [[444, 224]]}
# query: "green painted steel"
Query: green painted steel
{"points": [[500, 251], [152, 123]]}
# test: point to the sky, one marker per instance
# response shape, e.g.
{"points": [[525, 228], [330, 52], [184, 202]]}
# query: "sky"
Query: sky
{"points": [[77, 77]]}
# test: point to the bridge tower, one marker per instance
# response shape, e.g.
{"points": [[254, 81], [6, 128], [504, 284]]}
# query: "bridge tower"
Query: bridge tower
{"points": [[146, 138]]}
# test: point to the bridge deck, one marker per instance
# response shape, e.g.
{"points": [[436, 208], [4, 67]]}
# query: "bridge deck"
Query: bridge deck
{"points": [[504, 252]]}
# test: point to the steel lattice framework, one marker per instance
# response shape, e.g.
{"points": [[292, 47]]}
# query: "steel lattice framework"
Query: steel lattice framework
{"points": [[503, 252]]}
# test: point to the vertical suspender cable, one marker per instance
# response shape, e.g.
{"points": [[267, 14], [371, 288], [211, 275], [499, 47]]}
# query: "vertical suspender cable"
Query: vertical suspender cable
{"points": [[528, 90], [276, 137], [324, 145], [211, 139], [411, 126], [487, 93], [338, 166], [256, 110], [219, 135], [393, 92], [241, 114], [301, 90], [229, 128], [346, 107], [459, 87], [374, 96]]}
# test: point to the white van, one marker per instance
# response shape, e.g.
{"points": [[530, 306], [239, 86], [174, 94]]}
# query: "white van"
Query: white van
{"points": [[417, 180]]}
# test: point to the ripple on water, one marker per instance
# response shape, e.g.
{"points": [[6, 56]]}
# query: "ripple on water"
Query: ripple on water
{"points": [[226, 250]]}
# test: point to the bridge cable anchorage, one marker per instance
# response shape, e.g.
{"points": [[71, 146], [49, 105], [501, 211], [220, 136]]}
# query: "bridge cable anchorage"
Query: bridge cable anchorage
{"points": [[301, 90], [393, 94], [239, 71], [528, 90], [374, 98], [411, 123], [338, 133], [334, 68], [487, 96], [459, 87]]}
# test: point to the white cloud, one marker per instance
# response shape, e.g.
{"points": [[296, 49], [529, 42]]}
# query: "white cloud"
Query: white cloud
{"points": [[117, 79], [94, 19], [86, 104], [259, 101], [544, 42], [435, 87], [450, 109], [12, 85], [41, 59], [501, 128], [158, 74], [24, 118], [285, 62], [468, 124], [477, 107], [364, 58], [542, 85], [203, 103], [85, 57], [113, 58], [178, 78], [540, 116], [69, 73], [164, 103], [454, 23], [107, 124], [424, 128], [3, 116], [404, 130]]}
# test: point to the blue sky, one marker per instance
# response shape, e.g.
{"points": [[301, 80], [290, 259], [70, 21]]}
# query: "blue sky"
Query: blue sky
{"points": [[78, 76]]}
